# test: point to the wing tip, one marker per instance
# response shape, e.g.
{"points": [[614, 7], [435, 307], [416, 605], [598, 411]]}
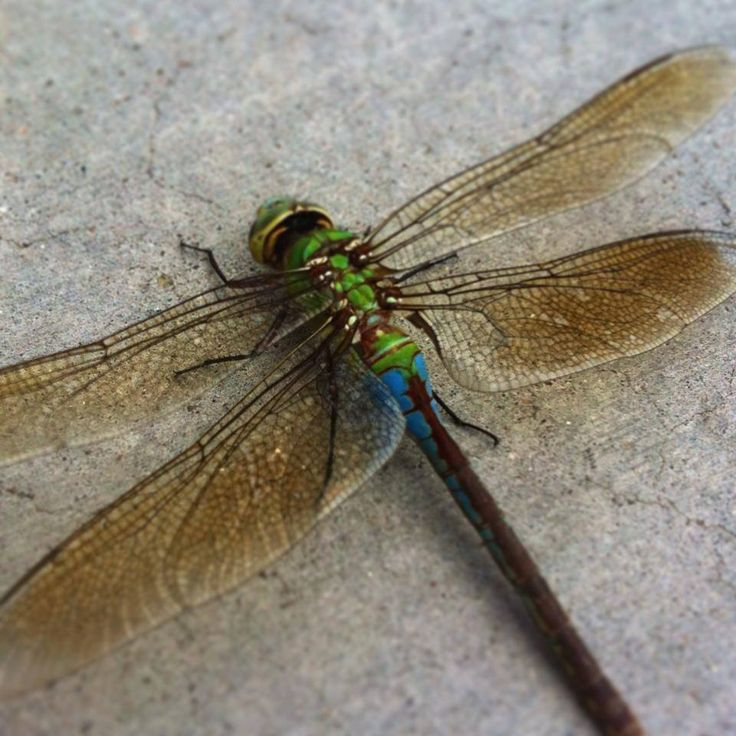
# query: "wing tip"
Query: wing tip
{"points": [[714, 59]]}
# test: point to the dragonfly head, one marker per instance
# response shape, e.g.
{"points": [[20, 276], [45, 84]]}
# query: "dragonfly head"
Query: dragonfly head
{"points": [[280, 222]]}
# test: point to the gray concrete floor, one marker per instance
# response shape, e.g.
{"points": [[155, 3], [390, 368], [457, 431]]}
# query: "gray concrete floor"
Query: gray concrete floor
{"points": [[126, 124]]}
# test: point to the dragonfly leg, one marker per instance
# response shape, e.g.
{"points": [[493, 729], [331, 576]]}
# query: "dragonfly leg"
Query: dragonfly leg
{"points": [[210, 258], [425, 266], [268, 339], [461, 422], [333, 397], [212, 361]]}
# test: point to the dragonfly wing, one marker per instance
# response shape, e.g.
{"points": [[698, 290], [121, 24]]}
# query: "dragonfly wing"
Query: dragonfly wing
{"points": [[505, 328], [609, 142], [92, 391], [245, 492]]}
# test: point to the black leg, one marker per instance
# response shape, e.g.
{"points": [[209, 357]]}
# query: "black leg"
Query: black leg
{"points": [[462, 423], [267, 340], [211, 361], [424, 266], [333, 395], [210, 257]]}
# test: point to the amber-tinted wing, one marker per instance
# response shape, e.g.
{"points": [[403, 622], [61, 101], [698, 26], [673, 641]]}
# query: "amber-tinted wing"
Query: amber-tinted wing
{"points": [[245, 492], [505, 328], [606, 144], [94, 390]]}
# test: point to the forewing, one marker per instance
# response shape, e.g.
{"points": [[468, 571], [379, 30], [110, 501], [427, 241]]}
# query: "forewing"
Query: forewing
{"points": [[609, 142], [505, 328], [248, 490], [93, 391]]}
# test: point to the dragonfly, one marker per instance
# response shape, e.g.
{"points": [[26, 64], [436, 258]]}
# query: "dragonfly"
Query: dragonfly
{"points": [[325, 339]]}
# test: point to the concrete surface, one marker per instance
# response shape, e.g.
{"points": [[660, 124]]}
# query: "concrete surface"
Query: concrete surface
{"points": [[125, 124]]}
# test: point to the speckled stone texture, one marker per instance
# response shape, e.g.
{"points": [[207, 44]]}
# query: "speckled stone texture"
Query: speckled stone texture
{"points": [[124, 126]]}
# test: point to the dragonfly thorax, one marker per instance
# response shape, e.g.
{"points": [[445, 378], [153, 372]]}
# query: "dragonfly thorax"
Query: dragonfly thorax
{"points": [[292, 235]]}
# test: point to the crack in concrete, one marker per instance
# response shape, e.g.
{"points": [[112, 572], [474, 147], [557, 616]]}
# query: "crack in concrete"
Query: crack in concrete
{"points": [[47, 236], [151, 164], [668, 504], [27, 495], [723, 566], [37, 507], [727, 218], [150, 169], [171, 81]]}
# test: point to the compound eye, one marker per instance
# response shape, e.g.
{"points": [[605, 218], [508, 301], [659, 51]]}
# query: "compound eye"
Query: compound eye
{"points": [[268, 216], [279, 223]]}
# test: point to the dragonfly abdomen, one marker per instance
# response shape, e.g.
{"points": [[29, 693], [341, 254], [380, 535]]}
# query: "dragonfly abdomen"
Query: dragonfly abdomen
{"points": [[398, 361]]}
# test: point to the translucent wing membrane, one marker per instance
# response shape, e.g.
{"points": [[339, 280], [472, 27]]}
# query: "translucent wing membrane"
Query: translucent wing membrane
{"points": [[606, 144], [505, 328], [245, 492], [95, 390]]}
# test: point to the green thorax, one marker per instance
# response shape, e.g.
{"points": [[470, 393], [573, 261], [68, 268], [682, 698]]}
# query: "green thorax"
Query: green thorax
{"points": [[289, 235], [343, 279]]}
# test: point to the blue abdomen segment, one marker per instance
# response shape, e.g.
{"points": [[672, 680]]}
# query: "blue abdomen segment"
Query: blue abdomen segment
{"points": [[412, 388], [405, 374]]}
